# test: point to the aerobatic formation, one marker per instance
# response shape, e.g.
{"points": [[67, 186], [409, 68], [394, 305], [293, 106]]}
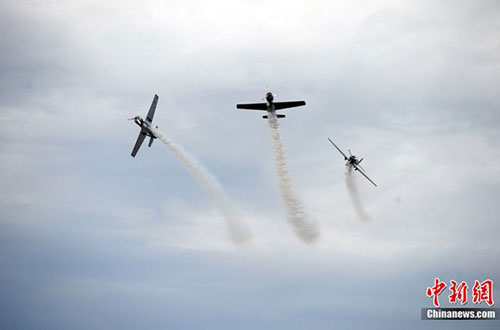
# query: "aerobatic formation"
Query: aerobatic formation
{"points": [[306, 229]]}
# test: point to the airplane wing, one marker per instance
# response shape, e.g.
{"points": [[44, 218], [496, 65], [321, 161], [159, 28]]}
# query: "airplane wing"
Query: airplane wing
{"points": [[139, 141], [345, 157], [152, 109], [292, 104], [366, 176], [252, 106]]}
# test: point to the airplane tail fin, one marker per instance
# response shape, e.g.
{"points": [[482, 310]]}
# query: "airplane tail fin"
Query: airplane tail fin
{"points": [[151, 139], [278, 115]]}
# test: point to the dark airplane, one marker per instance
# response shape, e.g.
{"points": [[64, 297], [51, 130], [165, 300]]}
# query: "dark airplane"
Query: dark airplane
{"points": [[353, 161], [146, 126], [270, 106]]}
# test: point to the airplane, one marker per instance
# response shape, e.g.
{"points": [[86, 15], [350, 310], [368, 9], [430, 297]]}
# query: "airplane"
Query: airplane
{"points": [[146, 126], [270, 106], [354, 162]]}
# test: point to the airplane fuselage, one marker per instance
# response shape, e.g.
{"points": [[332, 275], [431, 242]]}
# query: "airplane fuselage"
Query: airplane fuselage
{"points": [[145, 124], [270, 106], [147, 128], [353, 160], [271, 109], [269, 101]]}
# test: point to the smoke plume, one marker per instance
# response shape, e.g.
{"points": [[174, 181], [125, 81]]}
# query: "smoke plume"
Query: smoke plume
{"points": [[239, 233], [305, 230], [355, 198]]}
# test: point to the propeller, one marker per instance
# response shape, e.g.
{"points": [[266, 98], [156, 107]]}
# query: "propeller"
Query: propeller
{"points": [[268, 90], [137, 115]]}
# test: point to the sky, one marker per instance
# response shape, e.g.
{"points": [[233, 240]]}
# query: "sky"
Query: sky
{"points": [[93, 238]]}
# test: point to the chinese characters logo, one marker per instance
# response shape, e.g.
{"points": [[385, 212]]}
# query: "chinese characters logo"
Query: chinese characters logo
{"points": [[481, 291]]}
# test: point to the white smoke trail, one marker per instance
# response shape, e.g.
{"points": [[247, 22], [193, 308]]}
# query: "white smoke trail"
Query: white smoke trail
{"points": [[305, 230], [239, 233], [355, 198]]}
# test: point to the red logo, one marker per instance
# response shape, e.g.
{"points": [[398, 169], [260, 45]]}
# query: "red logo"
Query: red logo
{"points": [[458, 292], [481, 291], [435, 291]]}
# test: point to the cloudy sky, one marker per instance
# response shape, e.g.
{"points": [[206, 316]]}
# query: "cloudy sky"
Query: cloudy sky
{"points": [[92, 238]]}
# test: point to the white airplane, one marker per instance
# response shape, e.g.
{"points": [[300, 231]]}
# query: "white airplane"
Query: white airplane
{"points": [[270, 106], [146, 126], [353, 161]]}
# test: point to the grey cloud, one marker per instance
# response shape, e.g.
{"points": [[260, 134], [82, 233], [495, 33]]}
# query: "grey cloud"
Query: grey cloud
{"points": [[91, 238]]}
